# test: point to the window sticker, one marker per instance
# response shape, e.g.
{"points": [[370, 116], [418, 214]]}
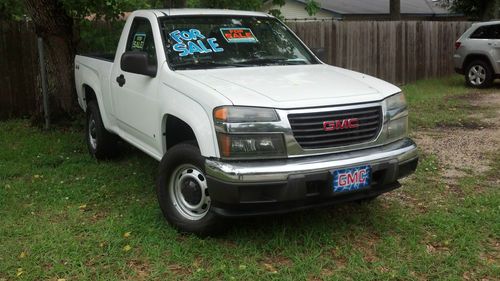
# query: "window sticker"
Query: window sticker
{"points": [[138, 42], [190, 42], [238, 35]]}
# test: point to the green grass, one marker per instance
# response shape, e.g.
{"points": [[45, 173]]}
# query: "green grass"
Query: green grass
{"points": [[64, 215], [443, 102]]}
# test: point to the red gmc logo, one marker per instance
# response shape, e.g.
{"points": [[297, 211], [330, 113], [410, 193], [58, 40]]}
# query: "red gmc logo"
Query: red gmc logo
{"points": [[353, 178], [343, 124]]}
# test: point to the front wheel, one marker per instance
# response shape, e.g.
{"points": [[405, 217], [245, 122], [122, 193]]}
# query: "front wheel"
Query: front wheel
{"points": [[183, 192]]}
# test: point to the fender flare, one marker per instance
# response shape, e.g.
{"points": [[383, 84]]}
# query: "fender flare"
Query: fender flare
{"points": [[195, 116]]}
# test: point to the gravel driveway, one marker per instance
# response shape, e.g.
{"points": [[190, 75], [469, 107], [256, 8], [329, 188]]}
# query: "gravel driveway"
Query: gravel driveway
{"points": [[464, 150]]}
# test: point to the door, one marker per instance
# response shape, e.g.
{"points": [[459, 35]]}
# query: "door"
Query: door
{"points": [[135, 95], [487, 41], [495, 51]]}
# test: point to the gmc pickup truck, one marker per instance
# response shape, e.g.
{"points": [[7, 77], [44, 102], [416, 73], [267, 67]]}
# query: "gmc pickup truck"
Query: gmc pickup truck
{"points": [[243, 117]]}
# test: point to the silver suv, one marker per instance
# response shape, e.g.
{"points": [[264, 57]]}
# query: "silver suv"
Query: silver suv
{"points": [[477, 54]]}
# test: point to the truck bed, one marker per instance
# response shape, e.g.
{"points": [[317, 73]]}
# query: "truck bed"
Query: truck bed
{"points": [[94, 71], [100, 56]]}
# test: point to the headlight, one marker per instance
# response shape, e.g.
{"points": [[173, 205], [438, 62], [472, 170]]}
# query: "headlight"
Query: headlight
{"points": [[251, 146], [240, 114], [248, 145], [396, 105], [397, 114]]}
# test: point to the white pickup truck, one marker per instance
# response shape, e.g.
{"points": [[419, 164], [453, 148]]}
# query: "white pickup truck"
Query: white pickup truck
{"points": [[245, 119]]}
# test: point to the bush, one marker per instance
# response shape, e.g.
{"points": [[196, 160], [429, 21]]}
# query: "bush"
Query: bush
{"points": [[99, 36]]}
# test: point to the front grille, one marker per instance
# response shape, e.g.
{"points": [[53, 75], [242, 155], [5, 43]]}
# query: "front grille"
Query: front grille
{"points": [[309, 132]]}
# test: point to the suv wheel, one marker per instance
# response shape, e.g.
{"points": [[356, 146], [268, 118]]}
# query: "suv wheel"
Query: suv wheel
{"points": [[183, 193], [479, 74]]}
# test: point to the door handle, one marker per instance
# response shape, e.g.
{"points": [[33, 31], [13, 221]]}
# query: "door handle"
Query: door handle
{"points": [[121, 80]]}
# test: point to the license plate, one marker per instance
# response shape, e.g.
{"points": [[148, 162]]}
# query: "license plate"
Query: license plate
{"points": [[351, 179]]}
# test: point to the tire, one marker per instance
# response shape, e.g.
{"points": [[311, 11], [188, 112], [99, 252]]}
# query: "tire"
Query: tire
{"points": [[479, 74], [182, 192], [100, 143]]}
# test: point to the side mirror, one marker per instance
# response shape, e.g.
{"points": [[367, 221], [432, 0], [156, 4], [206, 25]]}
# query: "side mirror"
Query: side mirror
{"points": [[138, 63], [320, 53]]}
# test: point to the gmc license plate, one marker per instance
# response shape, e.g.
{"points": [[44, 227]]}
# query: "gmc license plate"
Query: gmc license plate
{"points": [[351, 179]]}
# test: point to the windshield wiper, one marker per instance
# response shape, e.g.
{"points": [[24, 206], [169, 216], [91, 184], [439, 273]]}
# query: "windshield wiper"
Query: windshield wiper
{"points": [[206, 64], [273, 60]]}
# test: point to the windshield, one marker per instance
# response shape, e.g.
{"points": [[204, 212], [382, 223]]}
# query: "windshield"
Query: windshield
{"points": [[230, 41]]}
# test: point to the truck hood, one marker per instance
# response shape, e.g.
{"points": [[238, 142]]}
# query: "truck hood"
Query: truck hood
{"points": [[293, 86]]}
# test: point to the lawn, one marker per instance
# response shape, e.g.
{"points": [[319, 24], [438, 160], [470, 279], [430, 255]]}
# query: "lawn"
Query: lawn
{"points": [[65, 216]]}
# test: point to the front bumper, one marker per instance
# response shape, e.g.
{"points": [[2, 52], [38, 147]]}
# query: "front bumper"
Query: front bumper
{"points": [[248, 188]]}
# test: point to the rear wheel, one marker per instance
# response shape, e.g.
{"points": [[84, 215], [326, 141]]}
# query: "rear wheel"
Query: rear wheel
{"points": [[101, 143], [479, 74], [183, 192]]}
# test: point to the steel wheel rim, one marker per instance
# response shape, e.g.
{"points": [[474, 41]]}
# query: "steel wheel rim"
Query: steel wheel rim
{"points": [[92, 132], [477, 75], [185, 177]]}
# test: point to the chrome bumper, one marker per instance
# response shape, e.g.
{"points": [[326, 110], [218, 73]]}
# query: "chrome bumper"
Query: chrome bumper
{"points": [[280, 170]]}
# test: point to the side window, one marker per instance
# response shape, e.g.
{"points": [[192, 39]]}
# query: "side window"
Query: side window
{"points": [[495, 31], [487, 32], [141, 39], [480, 33]]}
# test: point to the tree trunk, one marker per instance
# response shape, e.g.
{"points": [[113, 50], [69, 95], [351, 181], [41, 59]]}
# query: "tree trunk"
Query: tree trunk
{"points": [[175, 3], [395, 9], [55, 26]]}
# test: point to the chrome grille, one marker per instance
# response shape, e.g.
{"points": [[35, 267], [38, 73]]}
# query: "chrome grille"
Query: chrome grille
{"points": [[309, 132]]}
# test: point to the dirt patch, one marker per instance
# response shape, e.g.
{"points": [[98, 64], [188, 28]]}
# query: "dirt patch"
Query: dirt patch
{"points": [[489, 102], [141, 269], [465, 150], [459, 150], [274, 263]]}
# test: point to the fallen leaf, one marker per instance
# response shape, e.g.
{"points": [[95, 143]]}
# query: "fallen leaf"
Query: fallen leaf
{"points": [[82, 207], [270, 268], [430, 249], [19, 272], [127, 234], [127, 248], [22, 255]]}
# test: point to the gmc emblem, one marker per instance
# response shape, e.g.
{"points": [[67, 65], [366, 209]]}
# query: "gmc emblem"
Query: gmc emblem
{"points": [[343, 124]]}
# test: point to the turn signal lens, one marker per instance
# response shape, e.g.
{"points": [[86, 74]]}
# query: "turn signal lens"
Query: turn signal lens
{"points": [[220, 114], [243, 114]]}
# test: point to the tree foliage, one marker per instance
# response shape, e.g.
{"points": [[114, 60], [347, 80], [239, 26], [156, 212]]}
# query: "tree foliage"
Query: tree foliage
{"points": [[112, 9], [312, 7], [11, 9], [476, 9]]}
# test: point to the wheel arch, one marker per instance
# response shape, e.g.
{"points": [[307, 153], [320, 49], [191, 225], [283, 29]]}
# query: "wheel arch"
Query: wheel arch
{"points": [[472, 57], [178, 128], [183, 132], [89, 93]]}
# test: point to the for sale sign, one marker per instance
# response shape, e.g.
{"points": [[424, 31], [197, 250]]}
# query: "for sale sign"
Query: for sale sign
{"points": [[238, 35]]}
